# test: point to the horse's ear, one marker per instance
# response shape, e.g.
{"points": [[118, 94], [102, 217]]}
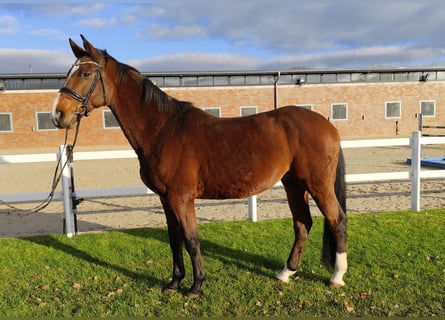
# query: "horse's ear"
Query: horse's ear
{"points": [[90, 49], [78, 51]]}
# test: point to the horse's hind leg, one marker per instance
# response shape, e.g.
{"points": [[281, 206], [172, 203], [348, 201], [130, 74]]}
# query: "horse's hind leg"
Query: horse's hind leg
{"points": [[299, 205], [334, 237]]}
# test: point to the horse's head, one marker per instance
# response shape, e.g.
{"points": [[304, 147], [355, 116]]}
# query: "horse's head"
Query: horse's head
{"points": [[84, 88]]}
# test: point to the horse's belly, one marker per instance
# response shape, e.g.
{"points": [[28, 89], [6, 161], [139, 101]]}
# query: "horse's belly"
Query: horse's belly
{"points": [[240, 185]]}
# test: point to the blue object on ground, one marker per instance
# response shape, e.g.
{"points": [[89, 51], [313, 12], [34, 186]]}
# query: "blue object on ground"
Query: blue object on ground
{"points": [[436, 162]]}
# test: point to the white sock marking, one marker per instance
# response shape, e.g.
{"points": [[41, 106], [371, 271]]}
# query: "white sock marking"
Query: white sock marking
{"points": [[341, 265], [285, 274]]}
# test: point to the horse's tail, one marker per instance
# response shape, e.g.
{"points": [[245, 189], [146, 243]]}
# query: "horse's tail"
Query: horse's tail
{"points": [[329, 240]]}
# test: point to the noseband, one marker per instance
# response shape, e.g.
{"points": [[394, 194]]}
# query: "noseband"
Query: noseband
{"points": [[83, 108]]}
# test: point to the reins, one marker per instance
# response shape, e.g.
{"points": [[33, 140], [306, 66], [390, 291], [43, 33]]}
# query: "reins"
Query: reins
{"points": [[56, 176]]}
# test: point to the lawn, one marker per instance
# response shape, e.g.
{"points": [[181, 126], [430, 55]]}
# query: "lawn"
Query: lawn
{"points": [[396, 268]]}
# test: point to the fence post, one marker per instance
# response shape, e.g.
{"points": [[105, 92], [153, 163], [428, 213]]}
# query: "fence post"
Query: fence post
{"points": [[415, 170], [252, 207], [68, 220]]}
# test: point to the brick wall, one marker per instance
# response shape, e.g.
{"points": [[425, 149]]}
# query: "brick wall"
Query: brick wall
{"points": [[365, 101]]}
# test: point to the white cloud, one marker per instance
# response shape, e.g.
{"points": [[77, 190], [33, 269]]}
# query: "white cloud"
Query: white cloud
{"points": [[51, 8], [87, 8], [296, 28], [177, 31], [129, 19], [41, 61], [196, 62], [233, 34], [8, 25], [98, 22], [51, 33]]}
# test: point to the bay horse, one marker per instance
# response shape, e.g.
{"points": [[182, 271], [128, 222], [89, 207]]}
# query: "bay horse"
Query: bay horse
{"points": [[187, 154]]}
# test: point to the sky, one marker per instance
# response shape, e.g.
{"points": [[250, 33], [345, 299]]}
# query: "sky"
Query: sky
{"points": [[226, 35]]}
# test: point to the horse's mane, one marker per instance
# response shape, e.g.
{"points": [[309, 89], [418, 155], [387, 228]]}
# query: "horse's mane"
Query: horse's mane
{"points": [[150, 92]]}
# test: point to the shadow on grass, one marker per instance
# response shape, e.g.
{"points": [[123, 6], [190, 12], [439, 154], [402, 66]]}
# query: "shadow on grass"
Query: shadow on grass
{"points": [[254, 263], [54, 243], [250, 262]]}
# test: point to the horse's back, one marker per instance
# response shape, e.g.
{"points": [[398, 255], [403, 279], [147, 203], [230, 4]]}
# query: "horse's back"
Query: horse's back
{"points": [[250, 154]]}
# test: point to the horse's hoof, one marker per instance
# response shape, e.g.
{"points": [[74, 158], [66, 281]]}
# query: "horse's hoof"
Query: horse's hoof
{"points": [[336, 285], [168, 290], [194, 294]]}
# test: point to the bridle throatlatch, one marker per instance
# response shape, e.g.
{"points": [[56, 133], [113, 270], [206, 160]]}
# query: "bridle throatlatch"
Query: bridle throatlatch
{"points": [[83, 110]]}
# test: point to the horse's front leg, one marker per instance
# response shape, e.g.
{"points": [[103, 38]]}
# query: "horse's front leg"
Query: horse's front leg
{"points": [[176, 239], [193, 248], [184, 211]]}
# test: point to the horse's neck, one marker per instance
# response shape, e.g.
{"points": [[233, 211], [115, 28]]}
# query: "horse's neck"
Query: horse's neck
{"points": [[140, 121]]}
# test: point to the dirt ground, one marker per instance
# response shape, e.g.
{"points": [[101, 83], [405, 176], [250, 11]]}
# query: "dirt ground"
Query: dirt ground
{"points": [[146, 211]]}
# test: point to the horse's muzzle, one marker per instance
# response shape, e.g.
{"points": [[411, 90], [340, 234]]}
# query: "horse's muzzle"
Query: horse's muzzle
{"points": [[59, 119], [56, 117]]}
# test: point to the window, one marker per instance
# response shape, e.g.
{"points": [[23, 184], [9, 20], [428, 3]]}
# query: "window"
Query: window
{"points": [[329, 78], [372, 77], [401, 76], [305, 106], [392, 109], [343, 77], [213, 111], [339, 111], [172, 82], [190, 81], [313, 78], [6, 122], [428, 108], [237, 80], [44, 122], [247, 111], [252, 80], [267, 79], [221, 81], [205, 81], [110, 121]]}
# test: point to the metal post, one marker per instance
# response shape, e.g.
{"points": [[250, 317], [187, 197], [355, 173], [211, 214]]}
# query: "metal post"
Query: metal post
{"points": [[74, 200], [415, 170], [420, 122], [275, 90], [68, 221], [252, 207]]}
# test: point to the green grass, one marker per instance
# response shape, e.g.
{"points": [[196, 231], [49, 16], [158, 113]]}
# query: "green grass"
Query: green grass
{"points": [[396, 268]]}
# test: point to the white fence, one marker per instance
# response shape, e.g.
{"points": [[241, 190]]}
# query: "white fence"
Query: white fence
{"points": [[66, 194]]}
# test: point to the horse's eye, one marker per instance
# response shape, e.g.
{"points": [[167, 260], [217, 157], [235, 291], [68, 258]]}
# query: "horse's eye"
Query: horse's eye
{"points": [[85, 74]]}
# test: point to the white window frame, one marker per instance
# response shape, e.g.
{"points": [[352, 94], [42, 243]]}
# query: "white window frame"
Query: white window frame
{"points": [[386, 110], [246, 108], [332, 111], [307, 106], [434, 108], [10, 123], [103, 121], [37, 121], [210, 109]]}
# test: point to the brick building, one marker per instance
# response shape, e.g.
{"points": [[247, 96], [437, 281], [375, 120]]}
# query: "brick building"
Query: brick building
{"points": [[360, 103]]}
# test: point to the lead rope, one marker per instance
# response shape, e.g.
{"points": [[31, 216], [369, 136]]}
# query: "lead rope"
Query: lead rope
{"points": [[56, 177]]}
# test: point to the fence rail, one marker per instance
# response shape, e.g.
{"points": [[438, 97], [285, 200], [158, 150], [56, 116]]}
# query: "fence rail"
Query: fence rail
{"points": [[65, 195]]}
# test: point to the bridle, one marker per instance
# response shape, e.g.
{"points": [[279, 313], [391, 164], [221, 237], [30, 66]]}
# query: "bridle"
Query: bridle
{"points": [[82, 110]]}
